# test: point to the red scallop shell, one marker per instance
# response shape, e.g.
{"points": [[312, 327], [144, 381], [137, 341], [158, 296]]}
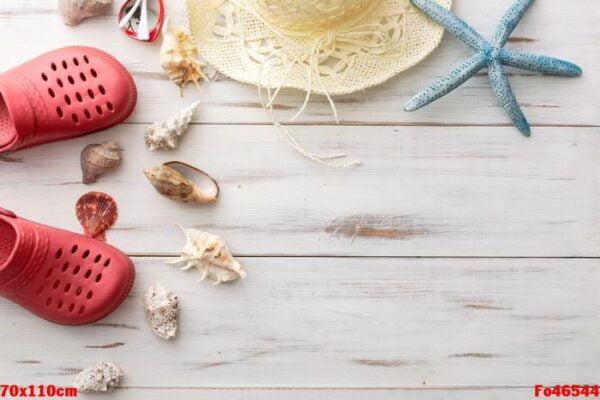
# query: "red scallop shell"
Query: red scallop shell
{"points": [[96, 211]]}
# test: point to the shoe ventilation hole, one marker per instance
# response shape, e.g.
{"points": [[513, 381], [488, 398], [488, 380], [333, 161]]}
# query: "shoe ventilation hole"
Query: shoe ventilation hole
{"points": [[59, 112], [75, 118], [67, 287], [49, 273], [89, 295], [59, 82], [39, 290], [99, 110], [107, 263], [58, 254], [71, 80], [65, 267], [98, 278], [79, 97], [51, 92], [82, 76], [56, 284], [81, 310], [88, 273], [60, 304], [76, 61], [64, 64], [101, 89], [87, 114], [110, 107], [76, 270], [74, 249], [86, 59], [53, 66], [98, 258], [78, 291], [67, 99], [71, 307], [44, 77], [85, 254], [91, 94], [49, 301], [94, 73]]}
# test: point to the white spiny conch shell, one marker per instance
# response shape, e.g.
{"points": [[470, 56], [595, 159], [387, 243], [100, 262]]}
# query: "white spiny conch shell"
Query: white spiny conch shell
{"points": [[210, 255], [161, 307], [179, 57], [166, 134], [100, 377], [75, 11]]}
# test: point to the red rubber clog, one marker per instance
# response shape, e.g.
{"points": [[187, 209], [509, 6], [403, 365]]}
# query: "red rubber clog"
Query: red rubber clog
{"points": [[62, 94], [60, 276]]}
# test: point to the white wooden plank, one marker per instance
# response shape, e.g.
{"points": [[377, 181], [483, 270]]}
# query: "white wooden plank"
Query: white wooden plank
{"points": [[335, 323], [422, 191], [549, 28]]}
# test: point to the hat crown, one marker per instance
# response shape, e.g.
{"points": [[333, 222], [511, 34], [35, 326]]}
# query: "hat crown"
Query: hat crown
{"points": [[311, 15]]}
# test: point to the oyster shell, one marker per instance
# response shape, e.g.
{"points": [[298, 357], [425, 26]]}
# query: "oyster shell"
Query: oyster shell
{"points": [[179, 57], [96, 159], [166, 134], [161, 307], [100, 377], [96, 211], [75, 11], [210, 255], [172, 184]]}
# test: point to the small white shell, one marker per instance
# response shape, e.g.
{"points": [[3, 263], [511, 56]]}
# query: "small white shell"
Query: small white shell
{"points": [[75, 11], [166, 134], [161, 307], [210, 255], [101, 377]]}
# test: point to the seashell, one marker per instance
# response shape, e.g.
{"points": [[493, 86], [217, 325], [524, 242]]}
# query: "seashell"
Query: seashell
{"points": [[174, 185], [100, 377], [75, 11], [179, 57], [161, 307], [96, 159], [96, 211], [210, 255], [166, 134]]}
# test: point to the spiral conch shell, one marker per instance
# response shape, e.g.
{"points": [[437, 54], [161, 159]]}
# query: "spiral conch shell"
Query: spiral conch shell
{"points": [[75, 11], [179, 57], [96, 159], [165, 135], [210, 255], [172, 184]]}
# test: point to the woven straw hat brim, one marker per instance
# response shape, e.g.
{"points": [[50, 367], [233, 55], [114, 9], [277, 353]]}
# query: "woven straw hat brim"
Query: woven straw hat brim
{"points": [[391, 38]]}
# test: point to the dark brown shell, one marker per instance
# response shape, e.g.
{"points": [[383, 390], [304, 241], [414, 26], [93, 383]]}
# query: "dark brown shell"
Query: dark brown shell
{"points": [[96, 159], [96, 211]]}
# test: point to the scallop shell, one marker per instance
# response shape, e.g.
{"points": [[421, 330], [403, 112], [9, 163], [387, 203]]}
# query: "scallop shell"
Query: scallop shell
{"points": [[96, 211], [166, 134], [179, 57], [96, 159], [210, 255], [100, 377], [75, 11], [161, 307], [174, 185]]}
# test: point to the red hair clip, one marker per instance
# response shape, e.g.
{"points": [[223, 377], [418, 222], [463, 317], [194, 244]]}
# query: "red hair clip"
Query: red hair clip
{"points": [[140, 22]]}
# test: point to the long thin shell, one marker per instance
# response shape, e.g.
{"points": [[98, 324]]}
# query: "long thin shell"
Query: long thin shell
{"points": [[96, 211], [165, 134], [172, 184], [96, 159]]}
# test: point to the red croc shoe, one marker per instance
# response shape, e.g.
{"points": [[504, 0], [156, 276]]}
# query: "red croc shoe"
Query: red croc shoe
{"points": [[61, 276], [62, 94]]}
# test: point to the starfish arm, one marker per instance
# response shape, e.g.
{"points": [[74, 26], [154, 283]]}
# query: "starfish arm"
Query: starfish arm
{"points": [[509, 22], [452, 23], [543, 64], [506, 97], [447, 83]]}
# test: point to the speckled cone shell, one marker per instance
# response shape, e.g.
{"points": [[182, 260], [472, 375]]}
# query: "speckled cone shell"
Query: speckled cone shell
{"points": [[161, 306], [210, 255], [101, 377], [165, 135], [75, 11]]}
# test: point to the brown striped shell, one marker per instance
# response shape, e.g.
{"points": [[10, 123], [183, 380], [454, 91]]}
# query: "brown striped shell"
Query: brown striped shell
{"points": [[96, 211], [96, 159]]}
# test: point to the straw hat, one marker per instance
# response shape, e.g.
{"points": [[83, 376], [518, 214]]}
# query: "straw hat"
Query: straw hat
{"points": [[327, 47]]}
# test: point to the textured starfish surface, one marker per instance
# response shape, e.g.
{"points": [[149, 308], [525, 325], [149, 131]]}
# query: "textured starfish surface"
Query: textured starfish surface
{"points": [[491, 55]]}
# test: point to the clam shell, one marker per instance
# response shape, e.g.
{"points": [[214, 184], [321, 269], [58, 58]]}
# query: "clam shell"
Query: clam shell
{"points": [[75, 11], [96, 211], [96, 159]]}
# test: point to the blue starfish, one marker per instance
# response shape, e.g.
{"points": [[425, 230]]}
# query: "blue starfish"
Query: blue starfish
{"points": [[490, 54]]}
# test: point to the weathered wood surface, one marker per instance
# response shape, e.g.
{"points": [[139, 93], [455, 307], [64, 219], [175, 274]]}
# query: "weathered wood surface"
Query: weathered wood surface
{"points": [[338, 322]]}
